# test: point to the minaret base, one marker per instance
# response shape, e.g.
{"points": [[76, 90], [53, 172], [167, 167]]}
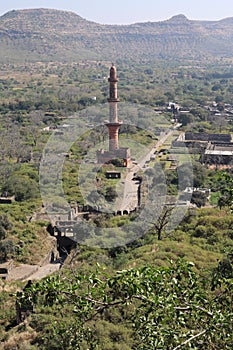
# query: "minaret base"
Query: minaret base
{"points": [[107, 157]]}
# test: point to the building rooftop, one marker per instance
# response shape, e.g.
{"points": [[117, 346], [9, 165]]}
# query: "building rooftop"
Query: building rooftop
{"points": [[215, 152]]}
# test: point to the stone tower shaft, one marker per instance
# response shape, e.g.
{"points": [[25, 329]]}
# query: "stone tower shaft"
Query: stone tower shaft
{"points": [[113, 124]]}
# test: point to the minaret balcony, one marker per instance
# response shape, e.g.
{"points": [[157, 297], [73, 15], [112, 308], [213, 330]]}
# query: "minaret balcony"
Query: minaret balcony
{"points": [[113, 99], [118, 123]]}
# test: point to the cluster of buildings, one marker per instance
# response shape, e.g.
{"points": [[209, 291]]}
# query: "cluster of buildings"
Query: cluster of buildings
{"points": [[214, 149]]}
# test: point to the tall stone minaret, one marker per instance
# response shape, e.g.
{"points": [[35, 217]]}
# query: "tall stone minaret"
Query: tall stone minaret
{"points": [[113, 124]]}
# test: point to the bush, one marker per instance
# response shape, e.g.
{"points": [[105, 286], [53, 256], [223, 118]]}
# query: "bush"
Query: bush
{"points": [[22, 187], [5, 224], [200, 231], [2, 233], [7, 249], [111, 194], [199, 198]]}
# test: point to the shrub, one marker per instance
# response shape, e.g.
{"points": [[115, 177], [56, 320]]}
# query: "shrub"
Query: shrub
{"points": [[5, 225], [7, 249], [22, 187]]}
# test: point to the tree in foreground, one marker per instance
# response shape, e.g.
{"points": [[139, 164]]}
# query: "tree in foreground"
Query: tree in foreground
{"points": [[165, 308]]}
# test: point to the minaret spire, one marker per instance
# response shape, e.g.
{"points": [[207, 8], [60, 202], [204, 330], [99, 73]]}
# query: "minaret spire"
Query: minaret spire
{"points": [[114, 123], [113, 126]]}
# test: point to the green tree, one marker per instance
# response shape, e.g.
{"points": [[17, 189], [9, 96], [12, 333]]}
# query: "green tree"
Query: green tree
{"points": [[226, 198], [199, 198], [7, 249], [5, 225], [199, 175], [185, 118], [222, 271], [21, 186], [166, 308]]}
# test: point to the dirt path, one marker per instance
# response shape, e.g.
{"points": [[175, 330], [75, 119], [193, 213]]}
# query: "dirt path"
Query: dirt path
{"points": [[43, 271], [33, 272]]}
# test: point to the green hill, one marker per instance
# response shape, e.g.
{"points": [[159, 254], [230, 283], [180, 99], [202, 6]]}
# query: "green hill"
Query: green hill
{"points": [[45, 34]]}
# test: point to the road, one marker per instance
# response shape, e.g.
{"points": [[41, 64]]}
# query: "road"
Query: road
{"points": [[129, 199]]}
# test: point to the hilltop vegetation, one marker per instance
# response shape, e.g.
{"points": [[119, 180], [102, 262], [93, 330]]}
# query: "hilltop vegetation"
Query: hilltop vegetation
{"points": [[45, 34]]}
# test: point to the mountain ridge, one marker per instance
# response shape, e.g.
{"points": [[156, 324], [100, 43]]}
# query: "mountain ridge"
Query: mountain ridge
{"points": [[48, 34]]}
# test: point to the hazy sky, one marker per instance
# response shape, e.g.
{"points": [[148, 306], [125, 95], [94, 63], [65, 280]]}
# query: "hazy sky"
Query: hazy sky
{"points": [[130, 11]]}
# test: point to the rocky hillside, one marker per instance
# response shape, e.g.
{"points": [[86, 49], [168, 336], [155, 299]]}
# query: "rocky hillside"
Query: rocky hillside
{"points": [[45, 34]]}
